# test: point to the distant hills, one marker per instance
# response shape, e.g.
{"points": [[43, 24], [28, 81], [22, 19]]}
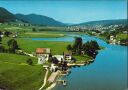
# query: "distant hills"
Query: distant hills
{"points": [[39, 19], [6, 16], [103, 23]]}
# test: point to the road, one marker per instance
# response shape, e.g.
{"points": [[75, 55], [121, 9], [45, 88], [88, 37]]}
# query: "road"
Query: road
{"points": [[45, 79]]}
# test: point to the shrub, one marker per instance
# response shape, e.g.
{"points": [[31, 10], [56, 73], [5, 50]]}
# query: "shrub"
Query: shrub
{"points": [[29, 62]]}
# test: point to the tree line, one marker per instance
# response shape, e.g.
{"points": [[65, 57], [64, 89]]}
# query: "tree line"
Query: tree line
{"points": [[79, 48], [12, 44]]}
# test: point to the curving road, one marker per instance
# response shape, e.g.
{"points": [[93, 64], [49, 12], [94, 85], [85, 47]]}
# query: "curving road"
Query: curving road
{"points": [[45, 79]]}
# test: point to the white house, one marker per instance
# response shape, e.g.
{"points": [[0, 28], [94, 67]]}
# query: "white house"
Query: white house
{"points": [[59, 57], [42, 54], [2, 35], [111, 37], [67, 56], [53, 68], [41, 59], [112, 40]]}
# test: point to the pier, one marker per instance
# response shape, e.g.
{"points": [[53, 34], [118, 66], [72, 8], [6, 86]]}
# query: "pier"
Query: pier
{"points": [[62, 81]]}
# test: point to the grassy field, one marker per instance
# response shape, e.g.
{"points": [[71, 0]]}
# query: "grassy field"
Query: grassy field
{"points": [[11, 28], [82, 58], [56, 47], [122, 36], [41, 34], [31, 45], [16, 28], [16, 59], [15, 74]]}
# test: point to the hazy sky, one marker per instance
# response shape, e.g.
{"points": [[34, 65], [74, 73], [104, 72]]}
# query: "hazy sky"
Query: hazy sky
{"points": [[70, 11]]}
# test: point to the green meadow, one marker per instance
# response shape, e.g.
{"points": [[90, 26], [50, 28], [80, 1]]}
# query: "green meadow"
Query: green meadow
{"points": [[30, 46], [82, 58], [41, 35], [122, 36], [16, 74]]}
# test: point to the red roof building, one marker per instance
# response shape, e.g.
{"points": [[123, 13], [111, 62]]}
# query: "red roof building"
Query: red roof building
{"points": [[43, 51]]}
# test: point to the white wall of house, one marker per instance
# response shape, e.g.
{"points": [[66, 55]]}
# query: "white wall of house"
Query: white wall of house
{"points": [[53, 67], [59, 57], [42, 58], [68, 57]]}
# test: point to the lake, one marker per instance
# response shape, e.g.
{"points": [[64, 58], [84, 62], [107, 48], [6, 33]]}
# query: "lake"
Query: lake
{"points": [[108, 72]]}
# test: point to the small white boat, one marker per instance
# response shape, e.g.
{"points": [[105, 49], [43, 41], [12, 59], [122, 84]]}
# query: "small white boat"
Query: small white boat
{"points": [[64, 83]]}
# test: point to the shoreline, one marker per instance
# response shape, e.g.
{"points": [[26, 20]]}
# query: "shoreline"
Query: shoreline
{"points": [[61, 75]]}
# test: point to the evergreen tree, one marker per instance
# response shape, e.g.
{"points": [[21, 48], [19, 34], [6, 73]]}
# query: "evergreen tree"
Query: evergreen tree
{"points": [[12, 45], [0, 39], [90, 48], [77, 46], [69, 47], [1, 49]]}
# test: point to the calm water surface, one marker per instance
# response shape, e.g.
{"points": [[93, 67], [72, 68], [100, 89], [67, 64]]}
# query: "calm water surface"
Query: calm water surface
{"points": [[108, 72]]}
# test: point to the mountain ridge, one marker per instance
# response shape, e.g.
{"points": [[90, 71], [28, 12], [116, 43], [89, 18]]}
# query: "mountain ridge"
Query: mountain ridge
{"points": [[103, 22], [39, 19], [7, 16]]}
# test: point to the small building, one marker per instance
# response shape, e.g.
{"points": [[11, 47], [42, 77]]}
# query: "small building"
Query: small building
{"points": [[67, 56], [53, 68], [42, 54], [1, 35], [45, 66], [112, 40], [59, 57], [125, 32], [111, 37], [14, 36]]}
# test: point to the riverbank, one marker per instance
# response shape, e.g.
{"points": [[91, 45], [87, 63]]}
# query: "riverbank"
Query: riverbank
{"points": [[118, 39], [106, 62], [64, 73]]}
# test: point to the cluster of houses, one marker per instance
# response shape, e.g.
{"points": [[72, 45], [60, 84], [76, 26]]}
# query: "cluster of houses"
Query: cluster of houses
{"points": [[13, 35], [113, 40], [17, 23], [83, 28], [43, 55]]}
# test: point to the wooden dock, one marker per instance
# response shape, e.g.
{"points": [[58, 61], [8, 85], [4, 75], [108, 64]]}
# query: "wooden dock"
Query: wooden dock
{"points": [[75, 64], [53, 77], [62, 81]]}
